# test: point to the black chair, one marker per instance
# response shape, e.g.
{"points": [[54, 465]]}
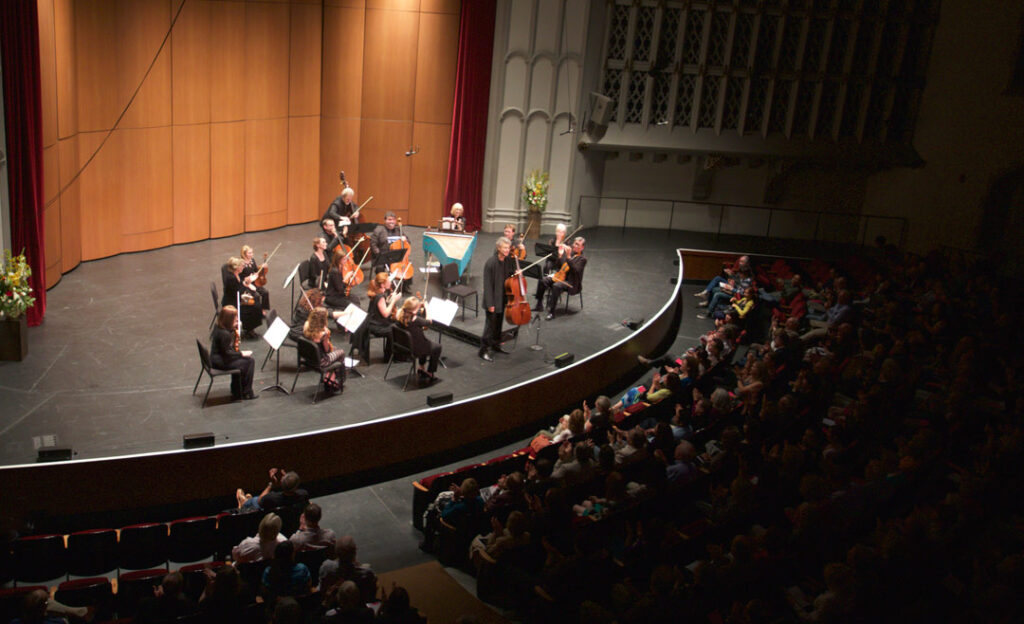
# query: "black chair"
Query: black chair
{"points": [[142, 546], [194, 576], [12, 600], [289, 515], [92, 553], [192, 539], [204, 359], [252, 572], [288, 342], [216, 302], [39, 558], [452, 288], [96, 592], [306, 280], [309, 358], [133, 587], [232, 528], [401, 347], [313, 557]]}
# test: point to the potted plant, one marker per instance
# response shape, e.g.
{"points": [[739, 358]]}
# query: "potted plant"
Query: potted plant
{"points": [[535, 196], [15, 298]]}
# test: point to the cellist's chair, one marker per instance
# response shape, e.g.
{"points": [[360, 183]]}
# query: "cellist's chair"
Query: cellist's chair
{"points": [[573, 291], [204, 358], [216, 302], [451, 287]]}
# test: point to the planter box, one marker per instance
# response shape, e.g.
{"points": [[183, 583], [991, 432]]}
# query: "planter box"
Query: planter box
{"points": [[13, 339]]}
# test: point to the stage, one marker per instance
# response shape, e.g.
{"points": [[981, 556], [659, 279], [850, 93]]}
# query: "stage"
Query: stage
{"points": [[111, 370]]}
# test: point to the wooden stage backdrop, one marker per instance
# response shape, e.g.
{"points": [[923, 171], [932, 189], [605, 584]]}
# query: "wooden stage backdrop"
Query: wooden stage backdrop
{"points": [[244, 120]]}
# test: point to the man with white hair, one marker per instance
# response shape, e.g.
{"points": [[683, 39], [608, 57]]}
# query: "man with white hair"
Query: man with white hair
{"points": [[342, 208]]}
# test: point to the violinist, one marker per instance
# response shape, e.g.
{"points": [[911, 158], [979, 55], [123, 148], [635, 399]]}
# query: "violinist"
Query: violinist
{"points": [[518, 248], [458, 217], [224, 353], [413, 318], [316, 331], [310, 300], [568, 275], [378, 319], [558, 241], [497, 269], [319, 262], [237, 290], [250, 272], [339, 294]]}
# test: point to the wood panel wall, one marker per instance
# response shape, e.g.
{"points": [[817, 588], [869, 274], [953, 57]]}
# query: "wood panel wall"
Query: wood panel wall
{"points": [[242, 121]]}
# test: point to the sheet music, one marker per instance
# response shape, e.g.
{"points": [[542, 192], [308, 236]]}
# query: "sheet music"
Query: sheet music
{"points": [[442, 311], [291, 276], [276, 333], [352, 318]]}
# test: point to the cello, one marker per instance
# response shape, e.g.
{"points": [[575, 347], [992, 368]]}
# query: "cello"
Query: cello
{"points": [[404, 268], [517, 306]]}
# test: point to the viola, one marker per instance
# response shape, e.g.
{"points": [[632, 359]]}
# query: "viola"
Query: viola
{"points": [[261, 275], [518, 250], [404, 268], [517, 305]]}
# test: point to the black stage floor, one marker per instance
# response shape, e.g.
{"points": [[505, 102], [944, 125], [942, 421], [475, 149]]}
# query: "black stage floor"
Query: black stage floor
{"points": [[111, 370]]}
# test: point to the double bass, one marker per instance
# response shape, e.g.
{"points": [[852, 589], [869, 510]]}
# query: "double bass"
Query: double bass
{"points": [[517, 305]]}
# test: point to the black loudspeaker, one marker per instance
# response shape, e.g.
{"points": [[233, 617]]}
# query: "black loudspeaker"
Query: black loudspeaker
{"points": [[632, 324], [600, 108], [197, 440], [53, 454], [440, 398], [564, 360]]}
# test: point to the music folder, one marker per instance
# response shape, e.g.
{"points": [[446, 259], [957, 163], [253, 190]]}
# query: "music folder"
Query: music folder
{"points": [[442, 310], [352, 317]]}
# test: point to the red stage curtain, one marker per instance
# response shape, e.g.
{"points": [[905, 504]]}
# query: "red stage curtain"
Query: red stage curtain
{"points": [[19, 49], [469, 115]]}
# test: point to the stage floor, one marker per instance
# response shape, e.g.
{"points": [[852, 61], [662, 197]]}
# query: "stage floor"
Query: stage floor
{"points": [[111, 370]]}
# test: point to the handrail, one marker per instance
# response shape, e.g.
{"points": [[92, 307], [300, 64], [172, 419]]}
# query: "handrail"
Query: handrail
{"points": [[818, 214], [334, 459]]}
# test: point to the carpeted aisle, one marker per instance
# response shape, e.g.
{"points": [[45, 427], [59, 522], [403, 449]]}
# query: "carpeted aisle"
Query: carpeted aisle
{"points": [[437, 595]]}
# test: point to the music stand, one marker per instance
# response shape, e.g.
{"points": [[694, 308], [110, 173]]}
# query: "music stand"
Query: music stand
{"points": [[350, 320], [274, 336], [389, 257], [442, 312], [290, 280]]}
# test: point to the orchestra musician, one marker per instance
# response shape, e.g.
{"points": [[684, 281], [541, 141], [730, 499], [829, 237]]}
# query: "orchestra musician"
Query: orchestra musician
{"points": [[573, 261], [311, 299], [380, 241], [237, 290], [319, 262], [518, 248], [378, 319], [330, 233], [339, 295], [342, 208], [458, 217], [224, 353], [557, 241], [414, 323], [497, 269], [250, 272], [316, 331]]}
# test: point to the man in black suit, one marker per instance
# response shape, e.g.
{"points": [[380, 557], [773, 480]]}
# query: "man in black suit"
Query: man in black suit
{"points": [[496, 270]]}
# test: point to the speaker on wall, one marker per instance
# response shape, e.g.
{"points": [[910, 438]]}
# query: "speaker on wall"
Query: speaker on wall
{"points": [[600, 108]]}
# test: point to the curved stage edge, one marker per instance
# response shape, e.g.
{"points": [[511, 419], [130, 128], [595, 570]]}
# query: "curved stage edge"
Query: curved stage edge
{"points": [[331, 460]]}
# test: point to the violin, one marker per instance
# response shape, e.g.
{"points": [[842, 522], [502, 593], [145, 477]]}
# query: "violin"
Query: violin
{"points": [[404, 268], [517, 305], [518, 250], [563, 271], [261, 275]]}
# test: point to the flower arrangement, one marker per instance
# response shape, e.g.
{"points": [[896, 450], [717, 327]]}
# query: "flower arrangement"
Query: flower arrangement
{"points": [[535, 190], [15, 291]]}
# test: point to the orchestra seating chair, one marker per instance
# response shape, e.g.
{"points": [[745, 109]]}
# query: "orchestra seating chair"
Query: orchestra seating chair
{"points": [[192, 539], [309, 358], [288, 342], [573, 291], [216, 303], [134, 586], [142, 546], [92, 553], [401, 347], [232, 528], [204, 359], [96, 592], [39, 558], [453, 289]]}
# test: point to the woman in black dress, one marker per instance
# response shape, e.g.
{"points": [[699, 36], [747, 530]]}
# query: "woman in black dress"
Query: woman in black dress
{"points": [[378, 319], [319, 263], [412, 321], [249, 274], [338, 294], [224, 353]]}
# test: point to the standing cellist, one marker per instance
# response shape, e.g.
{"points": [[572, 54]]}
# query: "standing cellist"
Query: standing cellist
{"points": [[568, 276], [497, 269]]}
